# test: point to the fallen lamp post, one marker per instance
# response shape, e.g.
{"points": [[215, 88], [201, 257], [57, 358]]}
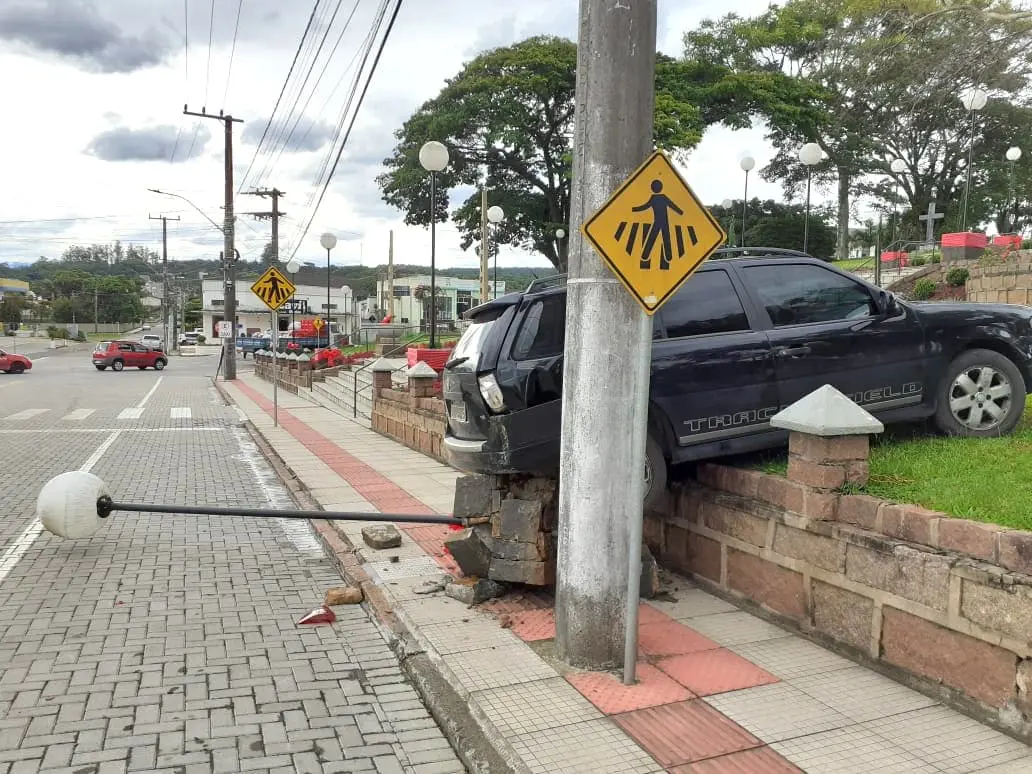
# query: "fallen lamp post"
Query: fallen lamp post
{"points": [[73, 505]]}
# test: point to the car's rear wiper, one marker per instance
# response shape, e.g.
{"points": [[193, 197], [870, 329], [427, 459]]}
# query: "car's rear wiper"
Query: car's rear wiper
{"points": [[456, 361]]}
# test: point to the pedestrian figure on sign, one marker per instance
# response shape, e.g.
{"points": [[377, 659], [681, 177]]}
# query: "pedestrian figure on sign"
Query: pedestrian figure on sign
{"points": [[660, 204], [274, 288]]}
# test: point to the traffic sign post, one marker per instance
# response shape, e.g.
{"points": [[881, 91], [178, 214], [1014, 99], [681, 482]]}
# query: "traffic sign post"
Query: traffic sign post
{"points": [[653, 233], [273, 288]]}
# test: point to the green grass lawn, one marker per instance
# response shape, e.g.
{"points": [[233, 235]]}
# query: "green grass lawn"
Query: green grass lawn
{"points": [[854, 263], [984, 479]]}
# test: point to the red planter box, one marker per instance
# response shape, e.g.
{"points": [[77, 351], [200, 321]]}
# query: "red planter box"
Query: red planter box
{"points": [[1008, 240], [435, 358], [965, 239], [892, 256]]}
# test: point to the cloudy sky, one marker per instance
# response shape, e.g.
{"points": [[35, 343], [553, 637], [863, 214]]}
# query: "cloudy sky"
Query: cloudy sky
{"points": [[95, 91]]}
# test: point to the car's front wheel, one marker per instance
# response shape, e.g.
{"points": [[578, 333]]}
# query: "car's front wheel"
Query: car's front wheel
{"points": [[655, 473], [982, 395], [118, 365]]}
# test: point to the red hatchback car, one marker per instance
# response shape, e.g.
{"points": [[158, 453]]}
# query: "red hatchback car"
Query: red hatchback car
{"points": [[127, 354], [13, 363]]}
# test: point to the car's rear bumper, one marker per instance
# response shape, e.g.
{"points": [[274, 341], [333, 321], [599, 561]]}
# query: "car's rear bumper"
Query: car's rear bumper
{"points": [[525, 442]]}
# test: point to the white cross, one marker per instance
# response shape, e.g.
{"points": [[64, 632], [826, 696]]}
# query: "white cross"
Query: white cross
{"points": [[929, 220]]}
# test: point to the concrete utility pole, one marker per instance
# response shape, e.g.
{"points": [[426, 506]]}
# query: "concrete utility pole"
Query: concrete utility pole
{"points": [[608, 342], [164, 274], [390, 277], [485, 250], [229, 252], [274, 214]]}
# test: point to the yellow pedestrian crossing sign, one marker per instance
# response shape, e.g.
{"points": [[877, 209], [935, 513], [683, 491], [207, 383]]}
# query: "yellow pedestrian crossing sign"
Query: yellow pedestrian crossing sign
{"points": [[654, 232], [273, 288]]}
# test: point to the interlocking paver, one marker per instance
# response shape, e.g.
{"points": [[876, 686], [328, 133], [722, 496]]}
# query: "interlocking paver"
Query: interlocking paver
{"points": [[176, 648]]}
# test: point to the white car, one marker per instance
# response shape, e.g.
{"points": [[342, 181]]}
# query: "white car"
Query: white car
{"points": [[151, 341]]}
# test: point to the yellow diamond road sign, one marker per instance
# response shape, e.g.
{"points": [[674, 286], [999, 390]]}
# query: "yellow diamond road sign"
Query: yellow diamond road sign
{"points": [[273, 288], [654, 232]]}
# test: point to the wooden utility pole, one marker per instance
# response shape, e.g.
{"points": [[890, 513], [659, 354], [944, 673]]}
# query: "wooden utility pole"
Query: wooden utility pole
{"points": [[164, 278], [608, 342], [229, 252], [390, 277], [274, 215], [485, 241]]}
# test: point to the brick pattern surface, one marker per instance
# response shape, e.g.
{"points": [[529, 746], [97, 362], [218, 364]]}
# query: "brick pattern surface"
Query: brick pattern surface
{"points": [[168, 644]]}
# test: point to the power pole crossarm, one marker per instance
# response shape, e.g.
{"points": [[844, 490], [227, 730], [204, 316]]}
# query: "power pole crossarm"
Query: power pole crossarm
{"points": [[229, 250]]}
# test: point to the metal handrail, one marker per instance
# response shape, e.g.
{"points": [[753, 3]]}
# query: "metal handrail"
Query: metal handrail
{"points": [[357, 371]]}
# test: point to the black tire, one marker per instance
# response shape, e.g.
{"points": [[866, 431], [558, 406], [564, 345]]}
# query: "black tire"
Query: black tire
{"points": [[101, 368], [159, 364], [17, 368], [655, 474], [118, 365], [992, 380]]}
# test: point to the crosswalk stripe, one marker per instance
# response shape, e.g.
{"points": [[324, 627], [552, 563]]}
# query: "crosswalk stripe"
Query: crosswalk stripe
{"points": [[181, 413], [130, 413], [26, 414], [78, 415]]}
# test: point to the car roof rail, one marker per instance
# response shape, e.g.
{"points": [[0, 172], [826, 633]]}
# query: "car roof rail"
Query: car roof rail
{"points": [[759, 252], [546, 283]]}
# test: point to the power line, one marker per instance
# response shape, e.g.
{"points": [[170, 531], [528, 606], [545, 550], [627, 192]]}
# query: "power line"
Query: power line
{"points": [[354, 117], [232, 50], [186, 75], [211, 35], [265, 131]]}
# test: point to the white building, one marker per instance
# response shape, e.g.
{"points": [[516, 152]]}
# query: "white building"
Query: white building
{"points": [[412, 299], [253, 316]]}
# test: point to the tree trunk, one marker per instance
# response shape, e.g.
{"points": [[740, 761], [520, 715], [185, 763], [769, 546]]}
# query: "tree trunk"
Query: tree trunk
{"points": [[843, 213]]}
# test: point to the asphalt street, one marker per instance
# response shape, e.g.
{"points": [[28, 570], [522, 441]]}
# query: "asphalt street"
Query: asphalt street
{"points": [[170, 643]]}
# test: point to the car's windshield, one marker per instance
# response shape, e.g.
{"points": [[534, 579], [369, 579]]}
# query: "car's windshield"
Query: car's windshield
{"points": [[3, 353]]}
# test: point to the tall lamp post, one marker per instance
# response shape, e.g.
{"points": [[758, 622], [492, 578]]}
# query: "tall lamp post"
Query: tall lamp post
{"points": [[810, 154], [560, 235], [433, 156], [748, 164], [973, 99], [898, 167], [1013, 154], [728, 206], [328, 241], [292, 267], [496, 215]]}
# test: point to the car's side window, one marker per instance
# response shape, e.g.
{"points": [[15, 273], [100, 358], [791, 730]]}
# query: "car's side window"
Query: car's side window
{"points": [[797, 294], [707, 303], [543, 330], [125, 347]]}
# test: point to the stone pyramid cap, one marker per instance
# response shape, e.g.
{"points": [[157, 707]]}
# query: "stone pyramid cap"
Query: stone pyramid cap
{"points": [[422, 371], [381, 365], [826, 412]]}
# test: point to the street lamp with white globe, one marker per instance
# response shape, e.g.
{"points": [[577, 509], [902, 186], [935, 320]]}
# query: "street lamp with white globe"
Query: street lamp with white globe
{"points": [[897, 167], [1012, 155], [433, 157], [728, 206], [973, 99], [495, 215], [292, 268], [328, 241], [748, 164], [560, 235], [810, 154]]}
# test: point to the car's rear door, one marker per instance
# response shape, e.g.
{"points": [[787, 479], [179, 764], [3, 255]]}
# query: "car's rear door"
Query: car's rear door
{"points": [[826, 328], [125, 352], [712, 372]]}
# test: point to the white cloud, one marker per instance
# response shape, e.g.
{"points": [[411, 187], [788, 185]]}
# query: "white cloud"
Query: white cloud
{"points": [[121, 77]]}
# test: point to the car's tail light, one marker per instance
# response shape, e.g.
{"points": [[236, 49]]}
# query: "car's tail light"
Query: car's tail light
{"points": [[491, 393]]}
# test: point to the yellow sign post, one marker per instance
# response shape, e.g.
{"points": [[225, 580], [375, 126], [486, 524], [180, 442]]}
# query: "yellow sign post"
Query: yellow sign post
{"points": [[653, 233], [273, 288]]}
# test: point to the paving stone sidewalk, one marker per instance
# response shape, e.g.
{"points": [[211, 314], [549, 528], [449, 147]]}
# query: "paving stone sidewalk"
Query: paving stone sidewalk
{"points": [[719, 690]]}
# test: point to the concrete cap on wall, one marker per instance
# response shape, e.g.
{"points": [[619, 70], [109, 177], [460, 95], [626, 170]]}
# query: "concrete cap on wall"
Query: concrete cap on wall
{"points": [[421, 371], [826, 412], [382, 365]]}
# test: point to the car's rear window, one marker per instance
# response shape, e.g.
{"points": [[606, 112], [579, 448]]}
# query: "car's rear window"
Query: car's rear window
{"points": [[470, 346], [102, 346]]}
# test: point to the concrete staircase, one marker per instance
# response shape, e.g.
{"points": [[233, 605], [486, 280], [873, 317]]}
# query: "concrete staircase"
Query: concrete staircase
{"points": [[338, 393]]}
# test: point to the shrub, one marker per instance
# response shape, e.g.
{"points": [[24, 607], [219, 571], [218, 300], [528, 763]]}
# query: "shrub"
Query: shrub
{"points": [[923, 289], [957, 277], [201, 338], [919, 261], [81, 336], [58, 333]]}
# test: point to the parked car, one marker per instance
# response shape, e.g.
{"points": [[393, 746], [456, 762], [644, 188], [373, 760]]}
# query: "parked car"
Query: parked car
{"points": [[13, 363], [188, 339], [741, 340], [145, 327], [152, 340], [127, 354]]}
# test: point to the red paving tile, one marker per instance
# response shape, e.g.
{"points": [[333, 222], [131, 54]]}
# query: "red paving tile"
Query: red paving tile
{"points": [[611, 696], [761, 760], [647, 614], [518, 603], [671, 638], [715, 671], [532, 625], [689, 731]]}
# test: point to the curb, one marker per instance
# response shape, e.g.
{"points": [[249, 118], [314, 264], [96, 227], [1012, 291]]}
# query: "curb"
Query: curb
{"points": [[464, 730]]}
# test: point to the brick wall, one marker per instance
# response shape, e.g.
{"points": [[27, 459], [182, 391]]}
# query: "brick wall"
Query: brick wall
{"points": [[942, 604], [292, 379], [1009, 282], [414, 417]]}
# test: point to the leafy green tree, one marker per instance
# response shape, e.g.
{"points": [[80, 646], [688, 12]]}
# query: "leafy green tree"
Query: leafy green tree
{"points": [[774, 224], [510, 110], [11, 309]]}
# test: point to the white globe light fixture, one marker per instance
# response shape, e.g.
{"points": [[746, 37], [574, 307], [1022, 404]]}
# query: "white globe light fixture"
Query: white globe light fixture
{"points": [[1013, 153], [292, 267], [729, 205], [560, 233], [898, 166], [433, 157], [974, 99], [748, 164], [809, 154], [726, 204], [496, 215], [328, 241]]}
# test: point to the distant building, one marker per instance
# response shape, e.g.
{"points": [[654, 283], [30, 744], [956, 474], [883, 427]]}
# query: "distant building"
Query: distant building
{"points": [[19, 287], [253, 316], [455, 297]]}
